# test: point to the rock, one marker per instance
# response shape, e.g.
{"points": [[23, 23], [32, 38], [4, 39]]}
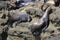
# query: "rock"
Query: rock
{"points": [[55, 18], [21, 31], [34, 11], [54, 38]]}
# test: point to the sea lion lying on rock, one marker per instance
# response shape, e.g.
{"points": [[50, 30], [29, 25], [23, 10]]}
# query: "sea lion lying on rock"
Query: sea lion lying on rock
{"points": [[17, 18]]}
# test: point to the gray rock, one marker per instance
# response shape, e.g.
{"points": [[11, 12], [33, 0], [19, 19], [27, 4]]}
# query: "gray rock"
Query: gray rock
{"points": [[54, 38]]}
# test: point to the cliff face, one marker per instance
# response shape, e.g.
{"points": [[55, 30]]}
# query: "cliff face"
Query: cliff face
{"points": [[21, 32]]}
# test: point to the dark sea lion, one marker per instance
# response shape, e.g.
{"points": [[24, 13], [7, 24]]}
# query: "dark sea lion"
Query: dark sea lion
{"points": [[37, 27]]}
